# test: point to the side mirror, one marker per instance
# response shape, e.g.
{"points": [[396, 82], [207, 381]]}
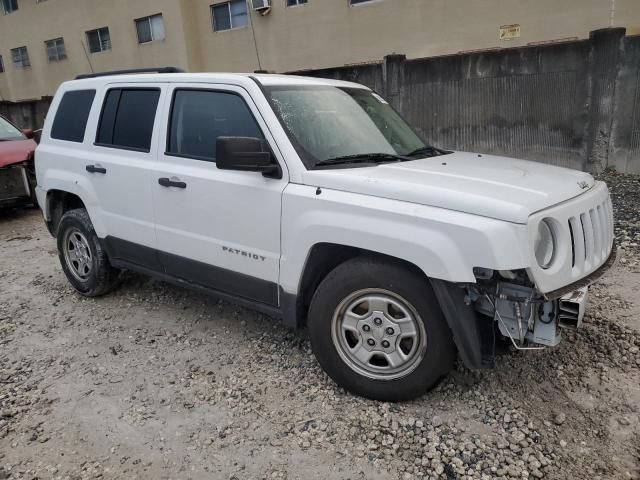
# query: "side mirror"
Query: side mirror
{"points": [[27, 132], [245, 154]]}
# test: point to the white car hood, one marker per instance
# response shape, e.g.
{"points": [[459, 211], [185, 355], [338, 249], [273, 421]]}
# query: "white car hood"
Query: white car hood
{"points": [[487, 185]]}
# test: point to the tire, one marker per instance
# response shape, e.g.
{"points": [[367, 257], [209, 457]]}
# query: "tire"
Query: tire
{"points": [[342, 321], [83, 259]]}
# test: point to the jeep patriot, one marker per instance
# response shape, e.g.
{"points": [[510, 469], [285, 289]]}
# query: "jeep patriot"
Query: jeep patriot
{"points": [[313, 201]]}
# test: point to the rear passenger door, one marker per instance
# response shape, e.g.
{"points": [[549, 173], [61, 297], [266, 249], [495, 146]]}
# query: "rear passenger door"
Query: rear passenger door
{"points": [[122, 156], [216, 228]]}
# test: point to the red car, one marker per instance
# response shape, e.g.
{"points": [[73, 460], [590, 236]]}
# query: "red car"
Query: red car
{"points": [[17, 173]]}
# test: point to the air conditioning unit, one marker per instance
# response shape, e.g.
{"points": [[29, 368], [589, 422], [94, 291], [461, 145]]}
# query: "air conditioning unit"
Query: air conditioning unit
{"points": [[261, 5]]}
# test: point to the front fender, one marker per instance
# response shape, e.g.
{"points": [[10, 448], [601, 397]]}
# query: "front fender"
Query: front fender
{"points": [[444, 244]]}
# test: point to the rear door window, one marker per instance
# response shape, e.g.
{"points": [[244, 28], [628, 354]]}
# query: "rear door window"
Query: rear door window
{"points": [[199, 117], [127, 119], [71, 117]]}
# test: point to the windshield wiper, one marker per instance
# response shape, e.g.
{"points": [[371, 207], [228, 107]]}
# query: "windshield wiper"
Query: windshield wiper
{"points": [[428, 151], [363, 158]]}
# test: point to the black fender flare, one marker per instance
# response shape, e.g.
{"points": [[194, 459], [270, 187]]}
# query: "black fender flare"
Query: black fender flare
{"points": [[462, 321]]}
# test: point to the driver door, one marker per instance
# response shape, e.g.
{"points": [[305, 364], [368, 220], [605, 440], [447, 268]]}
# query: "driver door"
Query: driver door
{"points": [[216, 228]]}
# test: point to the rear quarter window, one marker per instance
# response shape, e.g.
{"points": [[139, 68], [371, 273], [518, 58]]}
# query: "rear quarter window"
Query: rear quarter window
{"points": [[71, 117], [127, 118]]}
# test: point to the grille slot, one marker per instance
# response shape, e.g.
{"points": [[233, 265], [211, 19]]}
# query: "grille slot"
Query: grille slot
{"points": [[603, 231], [595, 225], [573, 242]]}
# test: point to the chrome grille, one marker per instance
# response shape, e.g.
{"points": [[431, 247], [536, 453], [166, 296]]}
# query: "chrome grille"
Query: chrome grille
{"points": [[591, 236]]}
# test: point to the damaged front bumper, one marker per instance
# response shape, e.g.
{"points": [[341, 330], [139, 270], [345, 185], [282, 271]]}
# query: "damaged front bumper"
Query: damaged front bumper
{"points": [[526, 318], [508, 300], [529, 318]]}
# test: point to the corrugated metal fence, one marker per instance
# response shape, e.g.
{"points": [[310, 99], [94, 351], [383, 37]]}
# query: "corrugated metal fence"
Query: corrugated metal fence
{"points": [[625, 144]]}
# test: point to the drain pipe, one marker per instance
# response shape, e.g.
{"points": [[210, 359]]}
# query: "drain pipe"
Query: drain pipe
{"points": [[612, 14]]}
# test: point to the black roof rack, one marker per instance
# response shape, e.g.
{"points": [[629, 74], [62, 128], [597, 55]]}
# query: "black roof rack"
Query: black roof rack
{"points": [[131, 70]]}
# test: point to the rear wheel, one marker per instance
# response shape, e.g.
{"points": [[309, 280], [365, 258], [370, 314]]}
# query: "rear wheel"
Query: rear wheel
{"points": [[378, 331], [83, 259]]}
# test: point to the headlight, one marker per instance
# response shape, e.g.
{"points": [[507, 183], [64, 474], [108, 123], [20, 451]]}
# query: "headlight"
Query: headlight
{"points": [[545, 244]]}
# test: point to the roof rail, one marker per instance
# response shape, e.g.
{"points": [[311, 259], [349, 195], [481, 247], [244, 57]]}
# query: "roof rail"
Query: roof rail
{"points": [[131, 70]]}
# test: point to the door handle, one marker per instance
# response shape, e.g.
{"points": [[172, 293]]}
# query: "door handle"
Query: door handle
{"points": [[95, 169], [167, 182]]}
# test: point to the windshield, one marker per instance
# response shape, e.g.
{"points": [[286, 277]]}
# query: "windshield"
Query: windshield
{"points": [[8, 131], [325, 122]]}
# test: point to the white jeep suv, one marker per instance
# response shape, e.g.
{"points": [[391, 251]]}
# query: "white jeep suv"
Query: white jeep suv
{"points": [[312, 200]]}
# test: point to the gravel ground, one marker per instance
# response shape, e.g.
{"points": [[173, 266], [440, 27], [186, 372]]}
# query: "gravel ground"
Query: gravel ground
{"points": [[154, 381], [625, 194]]}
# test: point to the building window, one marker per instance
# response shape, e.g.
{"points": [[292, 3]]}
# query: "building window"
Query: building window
{"points": [[150, 28], [1, 64], [229, 15], [295, 3], [99, 40], [358, 2], [20, 57], [9, 6], [56, 50]]}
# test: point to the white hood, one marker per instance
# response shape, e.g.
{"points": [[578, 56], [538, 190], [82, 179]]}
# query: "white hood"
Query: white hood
{"points": [[491, 186]]}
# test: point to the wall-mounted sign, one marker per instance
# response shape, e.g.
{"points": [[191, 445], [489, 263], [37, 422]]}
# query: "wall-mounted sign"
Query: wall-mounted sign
{"points": [[509, 32]]}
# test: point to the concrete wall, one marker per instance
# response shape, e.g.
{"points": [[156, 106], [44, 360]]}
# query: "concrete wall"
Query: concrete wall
{"points": [[320, 34]]}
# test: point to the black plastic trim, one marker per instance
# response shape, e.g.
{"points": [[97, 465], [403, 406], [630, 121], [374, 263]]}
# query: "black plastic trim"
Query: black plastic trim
{"points": [[462, 321], [130, 71], [191, 157], [133, 253], [269, 310], [117, 147], [192, 272], [290, 308]]}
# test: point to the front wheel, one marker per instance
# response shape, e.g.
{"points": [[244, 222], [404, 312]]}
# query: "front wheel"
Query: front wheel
{"points": [[378, 331]]}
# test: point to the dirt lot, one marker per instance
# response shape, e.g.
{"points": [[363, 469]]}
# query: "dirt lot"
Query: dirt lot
{"points": [[154, 381]]}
